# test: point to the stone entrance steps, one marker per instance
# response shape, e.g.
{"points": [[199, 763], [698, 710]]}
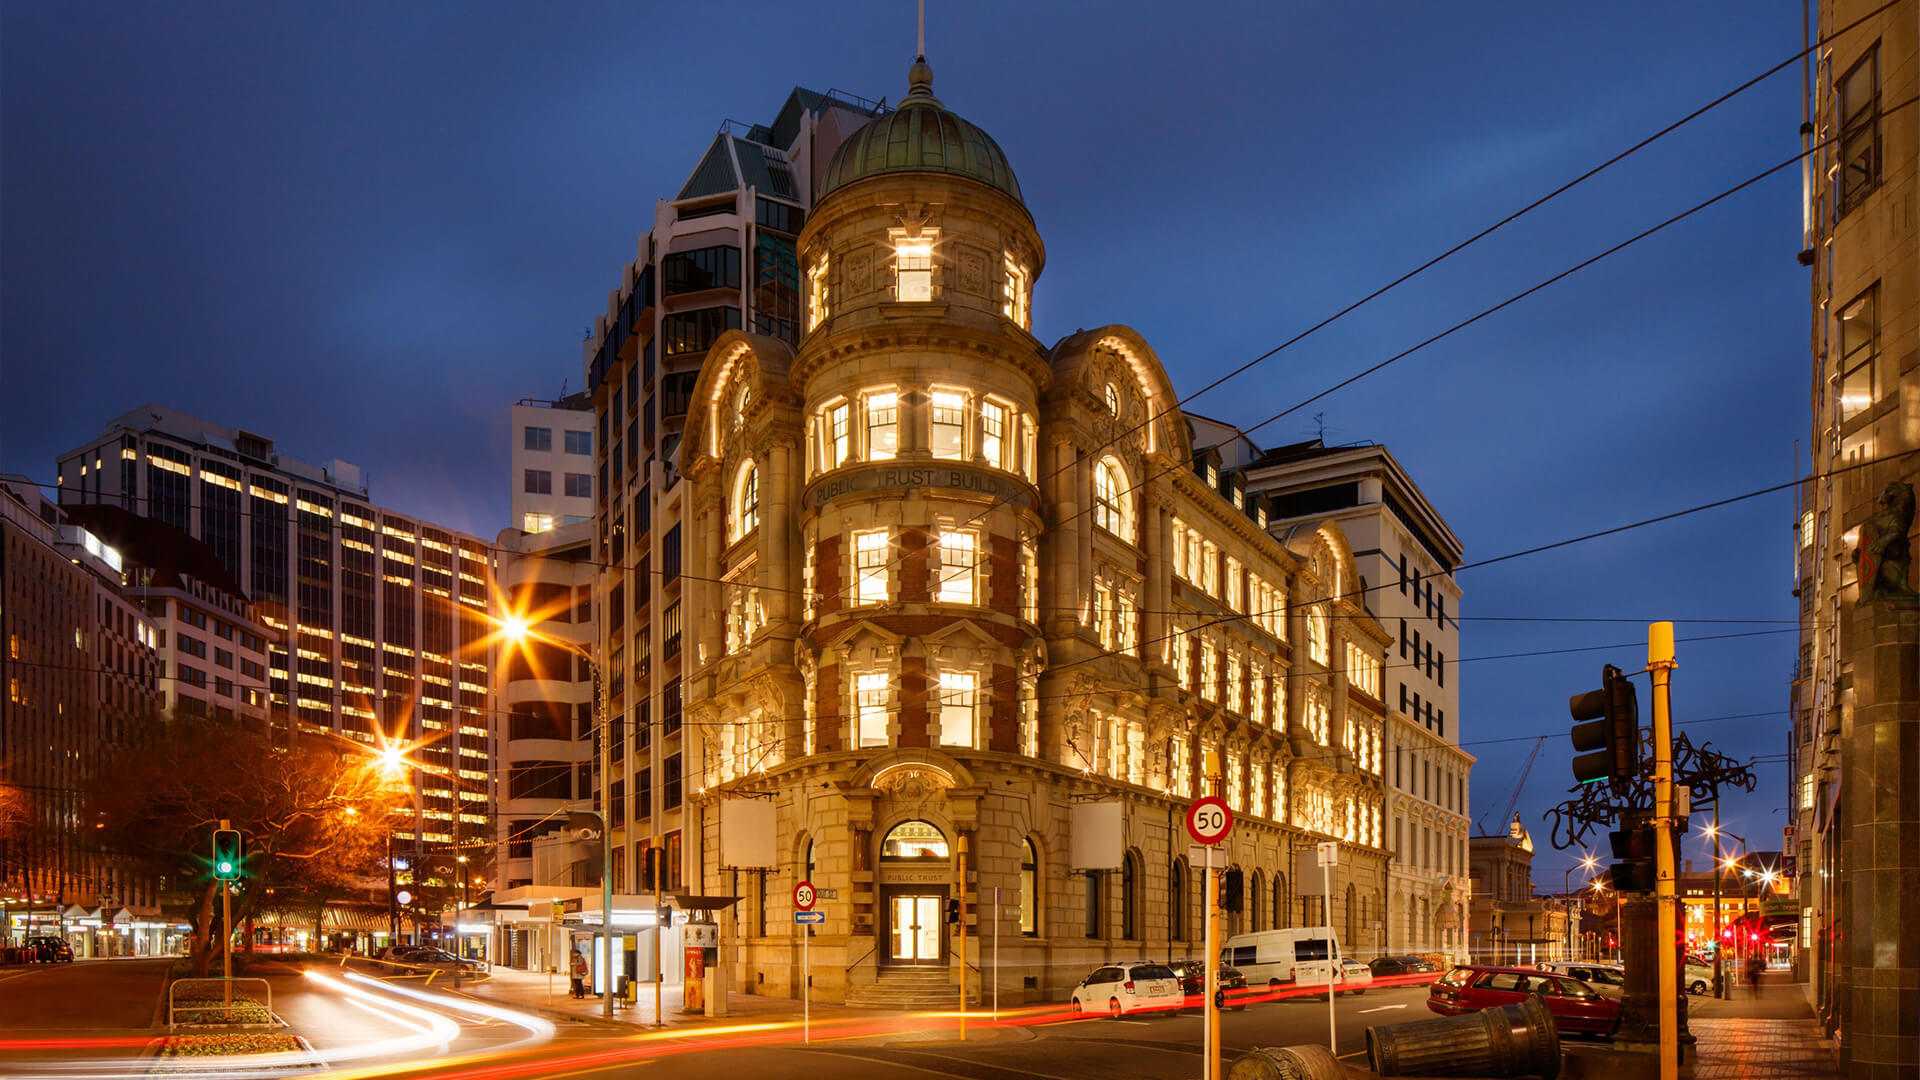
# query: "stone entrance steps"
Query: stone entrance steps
{"points": [[910, 988]]}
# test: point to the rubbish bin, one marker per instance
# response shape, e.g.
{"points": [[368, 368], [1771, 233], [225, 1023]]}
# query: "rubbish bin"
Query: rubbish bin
{"points": [[1287, 1063], [1507, 1040]]}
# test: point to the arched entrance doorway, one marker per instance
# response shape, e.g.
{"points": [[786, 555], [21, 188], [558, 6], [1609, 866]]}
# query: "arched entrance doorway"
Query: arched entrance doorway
{"points": [[916, 871]]}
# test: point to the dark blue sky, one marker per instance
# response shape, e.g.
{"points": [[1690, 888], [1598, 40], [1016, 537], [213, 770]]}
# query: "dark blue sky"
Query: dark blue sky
{"points": [[366, 229]]}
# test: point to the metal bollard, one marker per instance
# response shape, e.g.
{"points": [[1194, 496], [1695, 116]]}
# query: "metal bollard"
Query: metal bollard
{"points": [[1508, 1040], [1287, 1063]]}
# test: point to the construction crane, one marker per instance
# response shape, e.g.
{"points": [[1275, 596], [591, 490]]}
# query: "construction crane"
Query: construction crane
{"points": [[1517, 788]]}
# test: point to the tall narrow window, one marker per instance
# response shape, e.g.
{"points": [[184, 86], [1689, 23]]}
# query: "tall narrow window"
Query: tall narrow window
{"points": [[870, 566], [1019, 290], [993, 433], [1857, 101], [883, 426], [870, 704], [839, 437], [1110, 499], [1113, 399], [817, 293], [1029, 889], [957, 568], [1860, 384], [949, 424], [1317, 634], [746, 514], [913, 270], [957, 696]]}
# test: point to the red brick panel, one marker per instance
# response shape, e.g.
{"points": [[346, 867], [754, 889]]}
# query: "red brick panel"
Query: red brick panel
{"points": [[914, 568], [913, 702], [828, 712], [1003, 575], [828, 577], [1003, 718]]}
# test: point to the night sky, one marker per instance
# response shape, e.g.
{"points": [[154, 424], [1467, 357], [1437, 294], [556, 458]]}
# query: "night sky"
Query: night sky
{"points": [[366, 230]]}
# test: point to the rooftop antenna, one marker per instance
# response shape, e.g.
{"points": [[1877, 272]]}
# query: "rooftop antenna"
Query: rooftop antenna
{"points": [[1320, 419], [922, 53]]}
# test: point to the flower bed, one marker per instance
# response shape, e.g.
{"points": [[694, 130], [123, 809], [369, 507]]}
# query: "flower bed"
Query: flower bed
{"points": [[202, 1009], [191, 1046]]}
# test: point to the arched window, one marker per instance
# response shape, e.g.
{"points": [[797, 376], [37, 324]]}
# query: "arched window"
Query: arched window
{"points": [[1353, 925], [1029, 889], [1317, 634], [1253, 902], [1280, 902], [1177, 902], [1129, 880], [914, 840], [1111, 505], [742, 397], [1096, 899], [746, 501]]}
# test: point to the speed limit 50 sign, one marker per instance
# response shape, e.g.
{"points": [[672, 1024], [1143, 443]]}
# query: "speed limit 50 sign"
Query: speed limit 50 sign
{"points": [[804, 896], [1209, 820]]}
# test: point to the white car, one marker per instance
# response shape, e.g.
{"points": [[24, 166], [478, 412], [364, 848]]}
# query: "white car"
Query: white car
{"points": [[1139, 986], [1610, 980], [1355, 976]]}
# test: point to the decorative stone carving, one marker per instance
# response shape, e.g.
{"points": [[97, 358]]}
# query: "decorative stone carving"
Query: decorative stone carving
{"points": [[1884, 554], [973, 271], [913, 789], [859, 272]]}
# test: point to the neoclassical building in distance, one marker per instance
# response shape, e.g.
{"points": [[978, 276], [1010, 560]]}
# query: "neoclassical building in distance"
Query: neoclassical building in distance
{"points": [[971, 617]]}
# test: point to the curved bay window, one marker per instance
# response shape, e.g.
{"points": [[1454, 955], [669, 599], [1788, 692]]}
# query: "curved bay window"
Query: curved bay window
{"points": [[914, 840]]}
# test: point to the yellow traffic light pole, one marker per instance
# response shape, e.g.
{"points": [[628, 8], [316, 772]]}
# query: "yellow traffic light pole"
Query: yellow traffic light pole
{"points": [[1660, 665]]}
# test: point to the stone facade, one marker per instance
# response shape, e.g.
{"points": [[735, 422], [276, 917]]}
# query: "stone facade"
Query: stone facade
{"points": [[952, 591]]}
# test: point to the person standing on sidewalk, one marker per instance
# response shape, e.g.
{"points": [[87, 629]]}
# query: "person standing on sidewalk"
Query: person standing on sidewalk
{"points": [[577, 972], [1753, 974]]}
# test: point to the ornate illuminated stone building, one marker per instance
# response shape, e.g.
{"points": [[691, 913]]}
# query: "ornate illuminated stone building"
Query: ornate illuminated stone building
{"points": [[963, 601]]}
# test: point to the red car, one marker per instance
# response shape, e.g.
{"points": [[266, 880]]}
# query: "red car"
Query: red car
{"points": [[1576, 1007]]}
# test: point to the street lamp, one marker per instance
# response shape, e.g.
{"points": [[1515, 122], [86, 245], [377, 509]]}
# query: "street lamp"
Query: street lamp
{"points": [[517, 630], [1588, 861]]}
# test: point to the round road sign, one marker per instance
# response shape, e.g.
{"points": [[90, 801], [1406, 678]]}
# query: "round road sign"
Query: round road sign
{"points": [[803, 896], [1209, 819], [403, 897]]}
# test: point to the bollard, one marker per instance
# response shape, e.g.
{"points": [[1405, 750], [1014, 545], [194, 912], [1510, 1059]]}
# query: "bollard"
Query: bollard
{"points": [[1507, 1040], [1287, 1063]]}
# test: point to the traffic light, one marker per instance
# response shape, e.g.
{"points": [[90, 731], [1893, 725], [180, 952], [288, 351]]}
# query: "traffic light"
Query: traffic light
{"points": [[226, 854], [1231, 884], [1633, 850], [1608, 730], [953, 912]]}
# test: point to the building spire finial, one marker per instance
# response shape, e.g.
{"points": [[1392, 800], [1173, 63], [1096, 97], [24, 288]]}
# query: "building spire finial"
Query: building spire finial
{"points": [[920, 53]]}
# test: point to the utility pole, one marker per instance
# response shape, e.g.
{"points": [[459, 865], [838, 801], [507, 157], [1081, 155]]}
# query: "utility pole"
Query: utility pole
{"points": [[1719, 946], [1660, 664], [962, 936]]}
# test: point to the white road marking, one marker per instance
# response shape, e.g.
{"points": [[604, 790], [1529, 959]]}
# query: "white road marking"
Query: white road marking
{"points": [[1382, 1008]]}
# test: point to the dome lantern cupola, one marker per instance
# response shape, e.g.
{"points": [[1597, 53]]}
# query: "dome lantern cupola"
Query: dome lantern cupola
{"points": [[921, 135]]}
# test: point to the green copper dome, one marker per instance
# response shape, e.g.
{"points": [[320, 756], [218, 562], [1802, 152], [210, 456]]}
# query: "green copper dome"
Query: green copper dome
{"points": [[921, 135]]}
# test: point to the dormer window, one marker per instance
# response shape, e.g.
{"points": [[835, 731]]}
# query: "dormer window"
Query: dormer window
{"points": [[1213, 475], [1019, 290], [913, 270]]}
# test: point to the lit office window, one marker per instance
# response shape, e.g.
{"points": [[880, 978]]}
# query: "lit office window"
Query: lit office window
{"points": [[993, 433], [913, 270], [870, 566], [883, 425], [957, 568], [949, 424], [870, 703], [957, 697]]}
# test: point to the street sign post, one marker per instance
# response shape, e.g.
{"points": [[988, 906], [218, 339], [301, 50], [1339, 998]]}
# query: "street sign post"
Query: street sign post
{"points": [[1327, 855], [1209, 820], [804, 897]]}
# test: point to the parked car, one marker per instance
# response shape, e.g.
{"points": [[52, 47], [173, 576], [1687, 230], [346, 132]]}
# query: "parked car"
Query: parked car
{"points": [[1576, 1006], [1230, 984], [1697, 976], [1355, 976], [1304, 955], [1400, 965], [1118, 989], [48, 950], [1609, 979]]}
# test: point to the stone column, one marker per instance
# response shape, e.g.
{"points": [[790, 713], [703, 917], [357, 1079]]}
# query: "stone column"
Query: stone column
{"points": [[1880, 843], [1156, 535], [778, 530]]}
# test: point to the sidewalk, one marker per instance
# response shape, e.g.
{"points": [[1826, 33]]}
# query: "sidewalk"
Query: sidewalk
{"points": [[1773, 1035], [536, 992]]}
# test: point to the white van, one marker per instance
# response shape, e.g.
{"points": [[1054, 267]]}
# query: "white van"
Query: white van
{"points": [[1298, 956]]}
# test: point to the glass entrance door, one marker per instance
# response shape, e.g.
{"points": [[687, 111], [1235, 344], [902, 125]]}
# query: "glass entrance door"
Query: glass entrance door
{"points": [[916, 929]]}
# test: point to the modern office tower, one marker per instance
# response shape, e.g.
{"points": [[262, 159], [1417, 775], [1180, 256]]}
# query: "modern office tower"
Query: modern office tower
{"points": [[719, 256], [1406, 555], [552, 463], [80, 670], [543, 728], [378, 621], [1856, 752], [972, 618]]}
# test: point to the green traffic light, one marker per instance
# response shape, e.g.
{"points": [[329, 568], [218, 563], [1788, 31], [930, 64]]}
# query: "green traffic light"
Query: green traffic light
{"points": [[226, 868]]}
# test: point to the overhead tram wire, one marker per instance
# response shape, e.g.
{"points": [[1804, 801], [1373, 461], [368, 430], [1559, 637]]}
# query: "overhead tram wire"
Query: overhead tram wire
{"points": [[1290, 606], [1468, 242]]}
